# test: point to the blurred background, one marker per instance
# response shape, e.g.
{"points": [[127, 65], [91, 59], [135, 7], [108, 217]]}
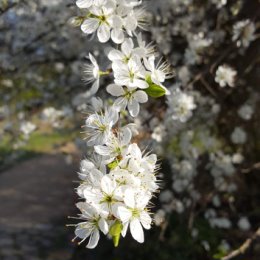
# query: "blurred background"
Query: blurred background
{"points": [[210, 199]]}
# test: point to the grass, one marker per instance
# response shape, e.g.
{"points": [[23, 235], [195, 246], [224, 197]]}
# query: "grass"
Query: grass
{"points": [[46, 143], [39, 143]]}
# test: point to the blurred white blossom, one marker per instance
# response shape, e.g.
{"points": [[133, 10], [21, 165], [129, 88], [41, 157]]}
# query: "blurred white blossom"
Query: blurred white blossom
{"points": [[238, 136], [225, 75]]}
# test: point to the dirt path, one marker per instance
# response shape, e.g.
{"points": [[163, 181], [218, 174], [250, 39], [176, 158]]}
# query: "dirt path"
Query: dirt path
{"points": [[35, 199]]}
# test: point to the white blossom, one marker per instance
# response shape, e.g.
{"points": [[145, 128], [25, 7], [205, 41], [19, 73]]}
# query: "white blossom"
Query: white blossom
{"points": [[128, 98], [131, 74], [244, 224], [126, 53], [181, 105], [92, 75], [246, 112], [159, 72], [27, 128], [244, 33], [159, 217], [238, 136], [225, 75], [92, 223], [219, 3], [134, 214], [98, 126]]}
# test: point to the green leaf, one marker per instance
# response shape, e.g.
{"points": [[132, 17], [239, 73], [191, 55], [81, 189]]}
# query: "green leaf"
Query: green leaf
{"points": [[112, 165], [115, 232], [154, 90], [222, 251], [218, 256]]}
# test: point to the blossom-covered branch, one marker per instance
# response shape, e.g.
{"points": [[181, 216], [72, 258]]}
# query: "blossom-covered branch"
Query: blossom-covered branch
{"points": [[119, 180]]}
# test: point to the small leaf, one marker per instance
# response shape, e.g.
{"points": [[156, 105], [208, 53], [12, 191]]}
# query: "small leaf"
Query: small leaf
{"points": [[154, 90], [115, 232], [112, 165], [220, 254]]}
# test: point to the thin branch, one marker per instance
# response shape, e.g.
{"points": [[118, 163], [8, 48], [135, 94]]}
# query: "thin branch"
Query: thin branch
{"points": [[207, 86], [254, 167], [211, 68], [244, 247], [163, 230], [192, 216], [251, 65], [220, 58], [4, 10]]}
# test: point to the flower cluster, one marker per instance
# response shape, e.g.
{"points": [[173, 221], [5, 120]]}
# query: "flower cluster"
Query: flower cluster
{"points": [[204, 131], [111, 18], [118, 180], [118, 198]]}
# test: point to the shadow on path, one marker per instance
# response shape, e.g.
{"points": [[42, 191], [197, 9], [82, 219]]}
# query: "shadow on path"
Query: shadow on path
{"points": [[36, 197]]}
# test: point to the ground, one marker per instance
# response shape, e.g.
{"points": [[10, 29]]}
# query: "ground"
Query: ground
{"points": [[37, 196]]}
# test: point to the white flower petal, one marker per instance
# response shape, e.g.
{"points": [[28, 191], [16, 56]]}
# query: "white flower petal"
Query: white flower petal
{"points": [[117, 21], [93, 240], [102, 150], [103, 226], [127, 47], [115, 90], [133, 107], [97, 11], [145, 219], [90, 25], [129, 198], [124, 230], [109, 7], [97, 103], [93, 60], [107, 185], [140, 96], [117, 36], [130, 23], [140, 83], [126, 136], [142, 200], [92, 195], [94, 88], [135, 151], [124, 214], [115, 55], [86, 165], [103, 33], [82, 232], [121, 103], [137, 230], [84, 3]]}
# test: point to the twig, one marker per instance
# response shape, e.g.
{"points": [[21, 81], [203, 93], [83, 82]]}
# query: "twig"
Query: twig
{"points": [[251, 66], [220, 58], [254, 167], [164, 227], [4, 10], [211, 68], [207, 86], [10, 6], [244, 247], [191, 218], [197, 78]]}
